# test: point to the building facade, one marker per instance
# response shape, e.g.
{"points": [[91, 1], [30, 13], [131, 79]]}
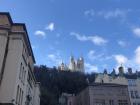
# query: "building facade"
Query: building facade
{"points": [[67, 99], [134, 90], [130, 79], [74, 65], [18, 85], [103, 94]]}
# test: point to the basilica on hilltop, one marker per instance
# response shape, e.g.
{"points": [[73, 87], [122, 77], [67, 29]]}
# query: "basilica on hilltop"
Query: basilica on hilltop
{"points": [[74, 65]]}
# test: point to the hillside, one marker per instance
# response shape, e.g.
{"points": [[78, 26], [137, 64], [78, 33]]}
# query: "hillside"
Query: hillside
{"points": [[54, 82]]}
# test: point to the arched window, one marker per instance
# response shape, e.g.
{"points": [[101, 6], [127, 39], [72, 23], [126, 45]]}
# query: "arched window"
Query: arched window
{"points": [[102, 81]]}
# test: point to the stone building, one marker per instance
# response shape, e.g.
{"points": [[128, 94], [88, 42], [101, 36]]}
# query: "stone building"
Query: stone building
{"points": [[18, 85], [103, 94], [67, 99], [131, 79]]}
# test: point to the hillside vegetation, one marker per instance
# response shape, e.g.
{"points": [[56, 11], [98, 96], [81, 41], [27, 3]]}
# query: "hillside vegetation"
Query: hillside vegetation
{"points": [[55, 82]]}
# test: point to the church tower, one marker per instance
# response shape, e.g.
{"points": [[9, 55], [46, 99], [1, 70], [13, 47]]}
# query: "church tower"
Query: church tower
{"points": [[72, 65], [80, 64], [62, 67]]}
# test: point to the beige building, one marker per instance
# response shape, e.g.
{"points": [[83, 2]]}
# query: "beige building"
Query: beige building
{"points": [[67, 99], [18, 85], [134, 90], [130, 79], [102, 94]]}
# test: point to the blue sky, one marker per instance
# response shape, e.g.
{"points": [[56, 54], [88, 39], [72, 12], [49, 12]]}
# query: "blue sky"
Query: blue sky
{"points": [[105, 32]]}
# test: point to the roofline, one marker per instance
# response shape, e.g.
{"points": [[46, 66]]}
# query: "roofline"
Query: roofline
{"points": [[24, 26], [27, 36], [8, 15], [106, 84]]}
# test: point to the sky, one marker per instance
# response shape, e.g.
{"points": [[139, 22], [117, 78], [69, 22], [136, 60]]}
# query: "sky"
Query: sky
{"points": [[105, 32]]}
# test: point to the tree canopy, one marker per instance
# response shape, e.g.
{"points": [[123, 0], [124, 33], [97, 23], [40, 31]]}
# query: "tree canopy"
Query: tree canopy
{"points": [[55, 82]]}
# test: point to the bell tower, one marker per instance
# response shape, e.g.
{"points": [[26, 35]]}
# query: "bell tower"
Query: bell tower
{"points": [[81, 64], [72, 65]]}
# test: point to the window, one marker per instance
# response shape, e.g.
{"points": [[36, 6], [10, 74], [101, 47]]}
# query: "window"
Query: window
{"points": [[99, 102], [17, 95], [122, 102], [30, 81], [132, 82], [102, 81], [134, 103], [20, 74], [110, 79], [25, 54], [136, 94], [21, 97], [111, 102], [24, 75], [132, 94]]}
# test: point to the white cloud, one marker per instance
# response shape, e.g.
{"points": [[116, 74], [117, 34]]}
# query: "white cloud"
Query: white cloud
{"points": [[89, 12], [93, 56], [136, 31], [54, 59], [121, 59], [133, 62], [107, 14], [113, 14], [50, 27], [79, 37], [137, 55], [122, 43], [97, 40], [91, 68], [40, 33]]}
